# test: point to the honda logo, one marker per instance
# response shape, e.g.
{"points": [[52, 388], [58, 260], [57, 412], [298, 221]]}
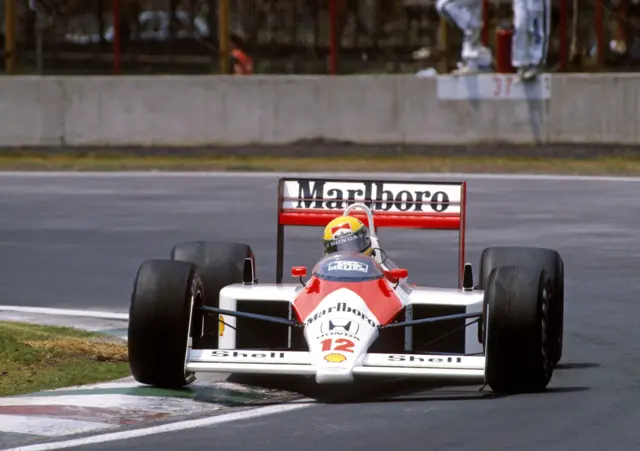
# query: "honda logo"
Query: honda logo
{"points": [[340, 324]]}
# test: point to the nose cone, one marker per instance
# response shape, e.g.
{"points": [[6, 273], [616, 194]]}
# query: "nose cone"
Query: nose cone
{"points": [[339, 333]]}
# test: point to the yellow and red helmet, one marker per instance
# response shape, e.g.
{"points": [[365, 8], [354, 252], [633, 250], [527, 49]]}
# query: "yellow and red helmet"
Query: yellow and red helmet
{"points": [[346, 233]]}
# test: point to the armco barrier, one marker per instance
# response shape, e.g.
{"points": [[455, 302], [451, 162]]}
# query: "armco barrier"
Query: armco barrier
{"points": [[201, 110]]}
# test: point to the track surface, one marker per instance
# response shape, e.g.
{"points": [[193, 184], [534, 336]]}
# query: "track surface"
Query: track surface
{"points": [[77, 242]]}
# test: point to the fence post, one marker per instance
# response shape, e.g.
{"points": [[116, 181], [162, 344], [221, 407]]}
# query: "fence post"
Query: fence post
{"points": [[39, 32], [563, 36], [333, 38], [621, 13], [9, 37], [443, 32], [599, 25], [223, 35], [117, 62]]}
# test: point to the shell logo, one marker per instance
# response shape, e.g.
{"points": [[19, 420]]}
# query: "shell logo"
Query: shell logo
{"points": [[335, 358]]}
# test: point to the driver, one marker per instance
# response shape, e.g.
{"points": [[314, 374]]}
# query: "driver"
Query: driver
{"points": [[346, 233]]}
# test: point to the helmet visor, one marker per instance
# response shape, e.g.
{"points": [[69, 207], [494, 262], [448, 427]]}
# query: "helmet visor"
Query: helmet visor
{"points": [[354, 243]]}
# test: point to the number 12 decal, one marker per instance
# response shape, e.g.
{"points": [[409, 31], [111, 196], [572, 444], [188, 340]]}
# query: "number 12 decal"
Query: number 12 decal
{"points": [[341, 344]]}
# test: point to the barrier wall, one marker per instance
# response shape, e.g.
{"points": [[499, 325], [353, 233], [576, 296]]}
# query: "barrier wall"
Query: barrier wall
{"points": [[201, 110]]}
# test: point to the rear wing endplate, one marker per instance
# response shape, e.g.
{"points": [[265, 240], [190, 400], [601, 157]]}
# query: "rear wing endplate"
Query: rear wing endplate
{"points": [[402, 204]]}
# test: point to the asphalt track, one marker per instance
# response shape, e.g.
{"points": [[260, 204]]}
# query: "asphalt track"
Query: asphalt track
{"points": [[77, 241]]}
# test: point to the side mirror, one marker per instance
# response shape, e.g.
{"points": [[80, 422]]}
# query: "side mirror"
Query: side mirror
{"points": [[298, 271], [399, 273]]}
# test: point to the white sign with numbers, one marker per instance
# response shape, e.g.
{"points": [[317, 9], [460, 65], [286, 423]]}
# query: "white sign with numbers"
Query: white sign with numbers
{"points": [[493, 87]]}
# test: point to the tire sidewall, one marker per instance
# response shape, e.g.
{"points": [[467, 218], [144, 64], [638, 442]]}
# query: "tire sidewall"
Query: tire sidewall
{"points": [[516, 352], [161, 316], [539, 258]]}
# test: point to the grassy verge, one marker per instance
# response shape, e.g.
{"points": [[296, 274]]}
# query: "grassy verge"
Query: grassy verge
{"points": [[34, 358], [623, 165]]}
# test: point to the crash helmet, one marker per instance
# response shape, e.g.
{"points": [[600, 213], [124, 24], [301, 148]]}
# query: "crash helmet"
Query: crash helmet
{"points": [[346, 233]]}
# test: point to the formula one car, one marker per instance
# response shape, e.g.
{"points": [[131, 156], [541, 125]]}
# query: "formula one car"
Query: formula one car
{"points": [[203, 310]]}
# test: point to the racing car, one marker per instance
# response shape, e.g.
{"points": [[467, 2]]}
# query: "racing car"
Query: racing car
{"points": [[354, 316]]}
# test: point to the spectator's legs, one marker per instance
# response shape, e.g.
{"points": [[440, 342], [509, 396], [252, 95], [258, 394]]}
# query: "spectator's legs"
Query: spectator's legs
{"points": [[467, 16], [532, 22]]}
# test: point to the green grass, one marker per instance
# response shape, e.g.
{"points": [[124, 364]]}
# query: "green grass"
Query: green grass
{"points": [[34, 358], [105, 162]]}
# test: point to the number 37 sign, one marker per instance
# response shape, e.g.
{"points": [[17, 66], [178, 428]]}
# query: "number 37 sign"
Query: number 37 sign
{"points": [[493, 87]]}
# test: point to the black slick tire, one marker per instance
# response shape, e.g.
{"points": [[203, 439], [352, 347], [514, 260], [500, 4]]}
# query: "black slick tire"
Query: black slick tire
{"points": [[160, 316], [516, 337], [537, 258]]}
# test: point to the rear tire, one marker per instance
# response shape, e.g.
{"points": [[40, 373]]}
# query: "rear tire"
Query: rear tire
{"points": [[220, 264], [516, 338], [160, 317], [536, 258]]}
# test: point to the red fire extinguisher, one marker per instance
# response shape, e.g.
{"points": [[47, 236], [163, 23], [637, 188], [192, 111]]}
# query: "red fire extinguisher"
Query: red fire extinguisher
{"points": [[504, 36]]}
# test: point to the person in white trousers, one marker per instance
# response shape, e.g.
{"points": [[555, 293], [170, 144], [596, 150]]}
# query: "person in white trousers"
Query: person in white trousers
{"points": [[531, 23], [467, 16]]}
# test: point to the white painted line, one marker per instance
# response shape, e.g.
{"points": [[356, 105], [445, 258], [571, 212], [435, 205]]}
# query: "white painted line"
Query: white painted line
{"points": [[48, 427], [65, 312], [559, 177], [124, 383], [172, 427], [369, 175]]}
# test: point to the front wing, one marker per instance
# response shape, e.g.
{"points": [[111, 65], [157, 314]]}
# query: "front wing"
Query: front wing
{"points": [[255, 361]]}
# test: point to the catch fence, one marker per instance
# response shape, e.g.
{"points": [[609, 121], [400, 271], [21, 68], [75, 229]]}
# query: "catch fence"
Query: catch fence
{"points": [[291, 36]]}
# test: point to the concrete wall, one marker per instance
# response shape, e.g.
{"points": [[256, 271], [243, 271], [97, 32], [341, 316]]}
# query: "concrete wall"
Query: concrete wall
{"points": [[201, 110]]}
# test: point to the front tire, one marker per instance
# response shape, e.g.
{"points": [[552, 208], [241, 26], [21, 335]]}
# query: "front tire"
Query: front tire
{"points": [[517, 342], [535, 258], [160, 320]]}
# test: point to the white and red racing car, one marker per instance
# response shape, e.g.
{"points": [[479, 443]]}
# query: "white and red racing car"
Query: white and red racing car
{"points": [[353, 316]]}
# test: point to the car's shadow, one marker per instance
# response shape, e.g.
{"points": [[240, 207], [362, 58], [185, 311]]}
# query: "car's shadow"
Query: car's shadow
{"points": [[576, 366], [367, 391]]}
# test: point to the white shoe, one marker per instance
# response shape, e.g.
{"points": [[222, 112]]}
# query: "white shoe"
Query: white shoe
{"points": [[466, 68], [528, 73]]}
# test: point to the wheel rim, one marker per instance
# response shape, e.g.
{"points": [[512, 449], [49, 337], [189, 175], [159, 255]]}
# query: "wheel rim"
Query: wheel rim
{"points": [[188, 375], [486, 341]]}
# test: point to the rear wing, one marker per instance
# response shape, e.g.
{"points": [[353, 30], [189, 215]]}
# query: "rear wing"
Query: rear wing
{"points": [[401, 204]]}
